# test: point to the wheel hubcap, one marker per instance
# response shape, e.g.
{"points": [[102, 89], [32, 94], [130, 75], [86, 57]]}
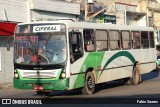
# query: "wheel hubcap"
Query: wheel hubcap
{"points": [[90, 83]]}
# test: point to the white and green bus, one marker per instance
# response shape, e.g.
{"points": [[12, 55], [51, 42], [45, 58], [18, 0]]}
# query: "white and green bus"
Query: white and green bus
{"points": [[66, 55]]}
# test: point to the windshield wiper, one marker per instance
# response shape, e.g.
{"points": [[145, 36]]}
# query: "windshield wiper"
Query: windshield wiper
{"points": [[50, 36], [47, 40]]}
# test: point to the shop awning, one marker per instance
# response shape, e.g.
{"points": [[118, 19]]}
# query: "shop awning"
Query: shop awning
{"points": [[7, 28]]}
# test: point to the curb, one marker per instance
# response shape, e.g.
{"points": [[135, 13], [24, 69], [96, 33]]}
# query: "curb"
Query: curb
{"points": [[7, 85]]}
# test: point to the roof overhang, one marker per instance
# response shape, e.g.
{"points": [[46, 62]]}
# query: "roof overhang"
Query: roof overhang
{"points": [[135, 13], [7, 28]]}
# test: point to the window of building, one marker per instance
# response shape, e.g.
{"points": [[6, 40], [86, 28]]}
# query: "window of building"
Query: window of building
{"points": [[126, 41], [114, 40], [136, 39], [151, 37], [150, 21], [110, 19], [101, 40], [89, 42], [144, 39]]}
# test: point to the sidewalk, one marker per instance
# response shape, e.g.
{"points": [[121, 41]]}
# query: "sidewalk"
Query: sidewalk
{"points": [[6, 85]]}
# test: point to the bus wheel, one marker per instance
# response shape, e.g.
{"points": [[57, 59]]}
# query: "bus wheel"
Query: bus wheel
{"points": [[89, 85], [136, 77], [157, 66]]}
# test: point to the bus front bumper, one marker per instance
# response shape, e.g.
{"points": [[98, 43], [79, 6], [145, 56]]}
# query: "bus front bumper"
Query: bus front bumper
{"points": [[61, 84]]}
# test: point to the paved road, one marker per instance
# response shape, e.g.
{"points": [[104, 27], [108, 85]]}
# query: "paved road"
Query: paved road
{"points": [[149, 88]]}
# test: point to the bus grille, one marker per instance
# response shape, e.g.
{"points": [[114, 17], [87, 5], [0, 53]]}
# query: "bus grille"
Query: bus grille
{"points": [[39, 74]]}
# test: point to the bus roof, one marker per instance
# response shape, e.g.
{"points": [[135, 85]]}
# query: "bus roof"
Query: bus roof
{"points": [[87, 25]]}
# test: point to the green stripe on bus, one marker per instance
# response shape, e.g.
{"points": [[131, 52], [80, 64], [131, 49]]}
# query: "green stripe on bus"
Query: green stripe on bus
{"points": [[19, 74], [119, 54], [100, 56], [93, 57]]}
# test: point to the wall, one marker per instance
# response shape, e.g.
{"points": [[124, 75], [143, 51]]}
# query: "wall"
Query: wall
{"points": [[157, 18], [121, 18], [37, 15], [25, 11], [143, 6], [14, 10], [56, 6], [156, 26], [142, 21], [6, 61], [49, 9], [19, 10], [108, 2]]}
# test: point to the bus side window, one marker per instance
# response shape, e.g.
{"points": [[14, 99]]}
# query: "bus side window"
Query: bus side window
{"points": [[89, 42], [144, 39], [151, 38], [76, 50], [114, 40], [126, 43], [136, 39], [101, 40]]}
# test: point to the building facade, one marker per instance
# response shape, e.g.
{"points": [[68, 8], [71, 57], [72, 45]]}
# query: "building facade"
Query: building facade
{"points": [[12, 12], [53, 9], [122, 12], [129, 12]]}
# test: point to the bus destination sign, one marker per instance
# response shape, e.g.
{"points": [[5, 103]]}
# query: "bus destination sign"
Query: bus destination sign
{"points": [[47, 28]]}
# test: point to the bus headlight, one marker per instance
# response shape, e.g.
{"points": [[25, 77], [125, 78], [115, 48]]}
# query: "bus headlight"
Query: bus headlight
{"points": [[63, 75], [16, 75]]}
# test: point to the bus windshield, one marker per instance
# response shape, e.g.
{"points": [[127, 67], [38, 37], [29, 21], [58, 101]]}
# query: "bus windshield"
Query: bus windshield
{"points": [[40, 48]]}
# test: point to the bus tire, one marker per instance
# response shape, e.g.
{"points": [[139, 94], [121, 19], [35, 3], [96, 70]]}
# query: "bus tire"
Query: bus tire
{"points": [[157, 66], [136, 77], [89, 85]]}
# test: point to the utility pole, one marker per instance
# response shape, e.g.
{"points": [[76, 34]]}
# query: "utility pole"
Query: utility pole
{"points": [[86, 10], [29, 11]]}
